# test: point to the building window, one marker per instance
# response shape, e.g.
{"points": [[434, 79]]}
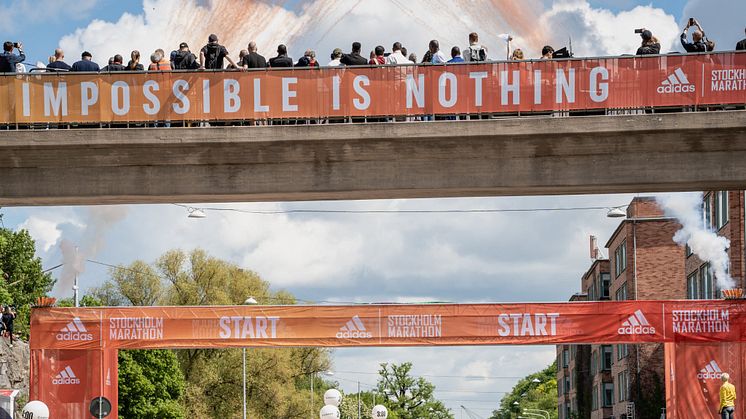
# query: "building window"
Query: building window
{"points": [[692, 288], [622, 350], [594, 362], [688, 250], [622, 385], [565, 358], [608, 394], [721, 209], [573, 352], [705, 282], [606, 358], [568, 385], [707, 212], [620, 258], [594, 398], [605, 285], [621, 293]]}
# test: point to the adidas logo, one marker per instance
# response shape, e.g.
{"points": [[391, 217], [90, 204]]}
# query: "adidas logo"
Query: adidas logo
{"points": [[636, 324], [75, 330], [354, 329], [711, 371], [677, 82], [66, 376]]}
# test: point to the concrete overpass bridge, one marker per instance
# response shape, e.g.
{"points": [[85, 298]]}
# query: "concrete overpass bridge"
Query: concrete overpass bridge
{"points": [[512, 156]]}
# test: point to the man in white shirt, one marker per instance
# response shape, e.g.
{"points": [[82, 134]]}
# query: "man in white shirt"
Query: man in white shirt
{"points": [[438, 56], [475, 52], [336, 57], [396, 57]]}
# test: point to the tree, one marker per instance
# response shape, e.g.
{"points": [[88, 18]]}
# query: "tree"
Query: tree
{"points": [[407, 397], [150, 385], [278, 380], [22, 279], [530, 394]]}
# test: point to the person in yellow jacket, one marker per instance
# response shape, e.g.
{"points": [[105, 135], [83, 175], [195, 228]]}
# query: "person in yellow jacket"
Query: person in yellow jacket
{"points": [[727, 398]]}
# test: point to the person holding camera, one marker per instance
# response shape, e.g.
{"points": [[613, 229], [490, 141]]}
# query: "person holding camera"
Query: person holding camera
{"points": [[650, 44], [8, 59], [699, 39], [741, 45]]}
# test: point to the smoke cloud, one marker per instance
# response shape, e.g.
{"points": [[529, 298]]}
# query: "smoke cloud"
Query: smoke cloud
{"points": [[708, 246], [97, 223]]}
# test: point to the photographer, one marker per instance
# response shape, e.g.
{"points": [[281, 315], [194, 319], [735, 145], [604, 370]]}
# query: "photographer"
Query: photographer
{"points": [[650, 44], [699, 39], [8, 59]]}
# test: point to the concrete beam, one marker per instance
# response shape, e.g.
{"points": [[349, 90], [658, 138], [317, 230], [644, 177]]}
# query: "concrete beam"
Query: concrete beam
{"points": [[515, 156]]}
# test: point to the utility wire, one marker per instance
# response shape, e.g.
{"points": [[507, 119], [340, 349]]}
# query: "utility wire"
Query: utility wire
{"points": [[400, 211]]}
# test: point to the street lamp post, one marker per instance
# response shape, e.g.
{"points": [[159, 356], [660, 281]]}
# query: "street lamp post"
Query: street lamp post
{"points": [[531, 412], [248, 301]]}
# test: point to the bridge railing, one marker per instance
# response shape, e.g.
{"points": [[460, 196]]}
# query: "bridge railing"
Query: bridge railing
{"points": [[382, 93]]}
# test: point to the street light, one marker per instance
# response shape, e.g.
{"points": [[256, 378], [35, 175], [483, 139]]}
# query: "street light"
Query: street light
{"points": [[248, 302], [616, 212], [536, 381], [196, 213]]}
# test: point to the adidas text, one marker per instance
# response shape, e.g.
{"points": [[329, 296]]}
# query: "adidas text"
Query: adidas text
{"points": [[679, 88], [67, 336], [355, 334], [636, 330], [66, 380]]}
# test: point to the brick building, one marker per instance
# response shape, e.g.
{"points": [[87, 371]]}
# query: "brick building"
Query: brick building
{"points": [[644, 263]]}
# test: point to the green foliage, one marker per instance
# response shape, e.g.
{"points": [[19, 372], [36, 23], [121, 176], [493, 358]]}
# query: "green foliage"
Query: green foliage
{"points": [[408, 397], [150, 385], [21, 278], [278, 380], [531, 395], [86, 301]]}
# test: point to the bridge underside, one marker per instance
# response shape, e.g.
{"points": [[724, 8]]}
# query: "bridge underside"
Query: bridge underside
{"points": [[516, 156]]}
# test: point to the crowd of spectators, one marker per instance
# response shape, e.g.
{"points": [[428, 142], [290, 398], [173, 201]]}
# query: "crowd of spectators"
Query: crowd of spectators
{"points": [[213, 56]]}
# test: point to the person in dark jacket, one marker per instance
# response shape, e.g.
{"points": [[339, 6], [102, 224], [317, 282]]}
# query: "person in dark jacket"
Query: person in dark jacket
{"points": [[699, 39], [86, 63], [211, 56], [354, 57], [650, 44], [8, 317], [59, 63], [8, 59], [184, 59], [282, 59], [116, 64], [134, 63], [253, 59], [741, 46]]}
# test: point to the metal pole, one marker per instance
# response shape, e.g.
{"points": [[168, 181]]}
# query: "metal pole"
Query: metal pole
{"points": [[244, 383], [75, 284], [358, 400], [313, 375]]}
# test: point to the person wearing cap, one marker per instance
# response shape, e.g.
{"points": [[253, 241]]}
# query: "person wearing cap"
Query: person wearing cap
{"points": [[336, 57], [211, 56], [727, 397], [86, 63], [253, 59], [650, 44], [183, 59], [547, 53]]}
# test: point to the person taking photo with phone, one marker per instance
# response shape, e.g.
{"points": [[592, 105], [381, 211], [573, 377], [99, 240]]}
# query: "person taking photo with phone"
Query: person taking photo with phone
{"points": [[699, 39], [8, 59]]}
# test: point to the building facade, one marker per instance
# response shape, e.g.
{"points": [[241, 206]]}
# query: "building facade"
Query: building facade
{"points": [[643, 263]]}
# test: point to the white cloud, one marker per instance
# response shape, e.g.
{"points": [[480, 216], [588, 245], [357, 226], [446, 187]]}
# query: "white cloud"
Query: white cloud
{"points": [[41, 11], [722, 20], [46, 228], [600, 32]]}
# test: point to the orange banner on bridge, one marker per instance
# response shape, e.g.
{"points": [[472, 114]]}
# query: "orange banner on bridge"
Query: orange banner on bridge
{"points": [[387, 325], [511, 87]]}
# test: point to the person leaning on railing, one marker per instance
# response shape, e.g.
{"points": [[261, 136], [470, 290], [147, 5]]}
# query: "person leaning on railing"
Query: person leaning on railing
{"points": [[699, 39], [650, 44], [59, 63]]}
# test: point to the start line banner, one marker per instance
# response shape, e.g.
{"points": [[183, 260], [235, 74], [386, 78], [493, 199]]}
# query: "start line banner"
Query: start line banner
{"points": [[511, 87], [388, 325]]}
